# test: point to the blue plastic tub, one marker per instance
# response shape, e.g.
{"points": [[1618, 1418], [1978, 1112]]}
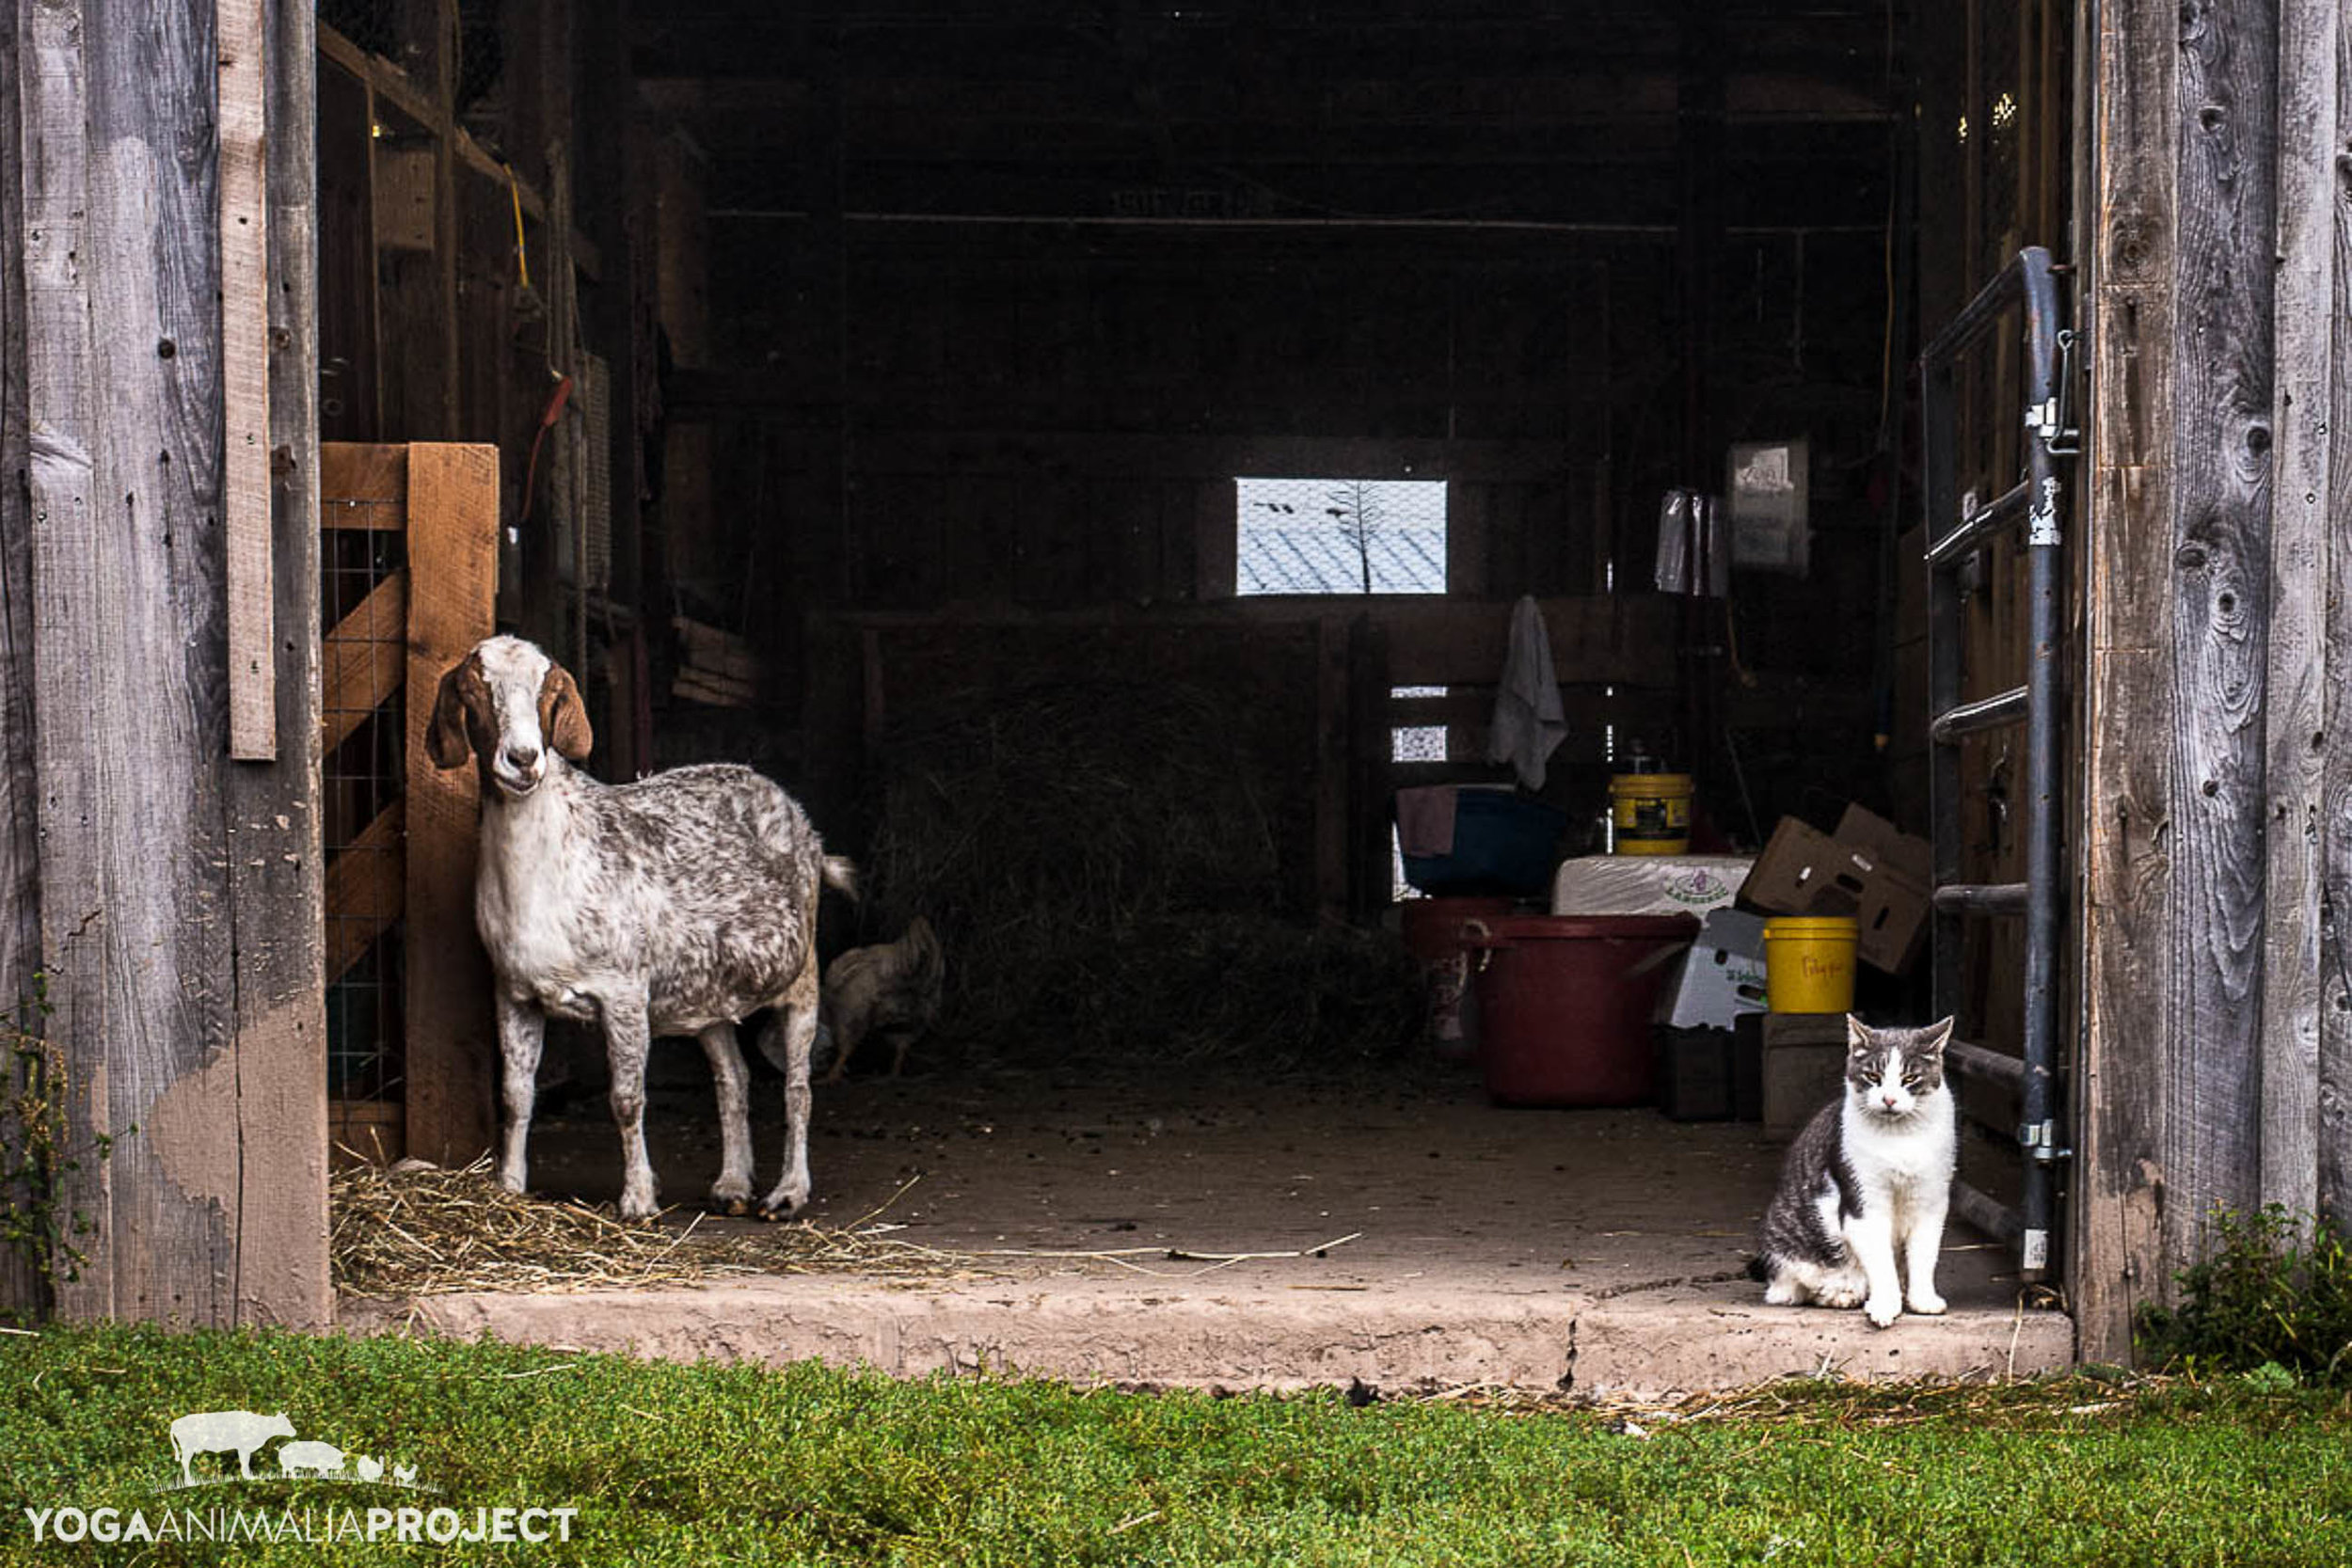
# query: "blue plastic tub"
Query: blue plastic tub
{"points": [[1503, 842]]}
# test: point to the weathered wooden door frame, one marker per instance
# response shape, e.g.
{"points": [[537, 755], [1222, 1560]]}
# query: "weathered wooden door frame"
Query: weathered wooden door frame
{"points": [[2216, 1064]]}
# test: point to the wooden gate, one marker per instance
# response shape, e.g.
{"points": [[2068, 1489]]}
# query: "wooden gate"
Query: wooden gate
{"points": [[408, 563]]}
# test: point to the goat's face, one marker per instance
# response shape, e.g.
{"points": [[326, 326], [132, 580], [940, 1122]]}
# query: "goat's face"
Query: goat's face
{"points": [[504, 705]]}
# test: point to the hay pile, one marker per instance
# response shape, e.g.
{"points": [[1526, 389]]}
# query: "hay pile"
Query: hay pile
{"points": [[420, 1230], [1106, 874]]}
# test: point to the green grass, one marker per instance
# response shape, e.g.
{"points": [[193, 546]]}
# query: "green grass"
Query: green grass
{"points": [[704, 1465]]}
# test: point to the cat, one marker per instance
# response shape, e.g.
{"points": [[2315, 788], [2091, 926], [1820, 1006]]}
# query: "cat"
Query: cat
{"points": [[1867, 1183]]}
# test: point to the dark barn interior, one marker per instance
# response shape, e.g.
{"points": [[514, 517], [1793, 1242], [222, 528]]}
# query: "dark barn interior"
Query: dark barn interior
{"points": [[881, 392]]}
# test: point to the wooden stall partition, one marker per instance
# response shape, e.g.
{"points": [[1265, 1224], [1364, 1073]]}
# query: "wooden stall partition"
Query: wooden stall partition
{"points": [[427, 518]]}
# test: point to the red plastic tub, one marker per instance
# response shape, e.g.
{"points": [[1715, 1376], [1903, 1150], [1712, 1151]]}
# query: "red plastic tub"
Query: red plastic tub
{"points": [[1564, 1004], [1432, 929]]}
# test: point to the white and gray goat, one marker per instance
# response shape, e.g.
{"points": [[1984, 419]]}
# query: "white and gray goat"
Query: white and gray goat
{"points": [[678, 905]]}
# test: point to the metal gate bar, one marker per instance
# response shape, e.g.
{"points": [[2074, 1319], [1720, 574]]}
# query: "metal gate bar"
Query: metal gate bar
{"points": [[2027, 282]]}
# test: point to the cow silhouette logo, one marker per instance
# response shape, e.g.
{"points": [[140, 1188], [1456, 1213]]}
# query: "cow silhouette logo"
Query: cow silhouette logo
{"points": [[223, 1431], [245, 1434]]}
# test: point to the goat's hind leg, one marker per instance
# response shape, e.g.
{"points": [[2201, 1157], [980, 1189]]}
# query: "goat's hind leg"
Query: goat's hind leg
{"points": [[732, 1193], [796, 1019]]}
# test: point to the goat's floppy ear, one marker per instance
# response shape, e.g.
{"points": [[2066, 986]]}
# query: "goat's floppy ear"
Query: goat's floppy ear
{"points": [[445, 739], [562, 716]]}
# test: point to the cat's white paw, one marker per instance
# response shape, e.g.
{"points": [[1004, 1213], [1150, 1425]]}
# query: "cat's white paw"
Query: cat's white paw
{"points": [[1882, 1311], [1783, 1292], [1838, 1296], [1927, 1303]]}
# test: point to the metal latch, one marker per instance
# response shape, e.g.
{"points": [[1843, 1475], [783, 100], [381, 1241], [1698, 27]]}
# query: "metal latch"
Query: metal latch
{"points": [[2053, 419], [2039, 1140]]}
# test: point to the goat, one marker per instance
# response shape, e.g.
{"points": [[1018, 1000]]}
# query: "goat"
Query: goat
{"points": [[890, 990], [678, 905]]}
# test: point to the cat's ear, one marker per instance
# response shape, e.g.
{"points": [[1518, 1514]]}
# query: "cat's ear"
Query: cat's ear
{"points": [[1857, 1033], [1934, 1036]]}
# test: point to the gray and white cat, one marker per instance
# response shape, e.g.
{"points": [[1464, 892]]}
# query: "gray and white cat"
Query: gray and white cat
{"points": [[1868, 1182]]}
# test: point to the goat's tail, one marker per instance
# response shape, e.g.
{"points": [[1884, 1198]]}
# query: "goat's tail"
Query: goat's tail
{"points": [[841, 872]]}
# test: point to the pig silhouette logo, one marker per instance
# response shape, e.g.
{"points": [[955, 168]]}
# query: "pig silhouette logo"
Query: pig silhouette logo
{"points": [[307, 1458], [239, 1432]]}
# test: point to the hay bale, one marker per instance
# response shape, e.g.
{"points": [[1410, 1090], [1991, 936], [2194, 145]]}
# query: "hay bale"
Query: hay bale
{"points": [[1104, 875]]}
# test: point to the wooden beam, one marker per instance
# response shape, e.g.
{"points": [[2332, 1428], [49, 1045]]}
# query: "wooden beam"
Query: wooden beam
{"points": [[366, 659], [1330, 766], [2219, 563], [2124, 1181], [244, 372], [20, 1290], [276, 872], [2334, 1182], [363, 484], [453, 568], [2298, 669]]}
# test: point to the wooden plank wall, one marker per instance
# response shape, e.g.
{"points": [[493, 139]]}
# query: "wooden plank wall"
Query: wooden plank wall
{"points": [[2216, 1064], [19, 845], [177, 893]]}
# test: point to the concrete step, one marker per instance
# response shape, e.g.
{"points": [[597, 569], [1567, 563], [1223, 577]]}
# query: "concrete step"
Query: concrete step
{"points": [[1405, 1339]]}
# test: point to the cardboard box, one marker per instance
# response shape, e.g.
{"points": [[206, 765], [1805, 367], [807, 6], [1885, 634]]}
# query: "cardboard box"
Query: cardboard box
{"points": [[1867, 869], [1722, 975], [1907, 854]]}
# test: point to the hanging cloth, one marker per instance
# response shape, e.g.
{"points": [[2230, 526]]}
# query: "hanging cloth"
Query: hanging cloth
{"points": [[1529, 721]]}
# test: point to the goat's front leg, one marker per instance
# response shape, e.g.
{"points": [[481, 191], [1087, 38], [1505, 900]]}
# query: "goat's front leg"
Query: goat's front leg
{"points": [[522, 1029], [797, 1020], [732, 1192], [625, 1043]]}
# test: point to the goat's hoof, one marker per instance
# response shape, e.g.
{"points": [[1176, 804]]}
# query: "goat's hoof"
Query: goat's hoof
{"points": [[734, 1207]]}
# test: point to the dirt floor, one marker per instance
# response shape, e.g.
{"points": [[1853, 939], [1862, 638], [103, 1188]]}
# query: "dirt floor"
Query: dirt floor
{"points": [[1417, 1234]]}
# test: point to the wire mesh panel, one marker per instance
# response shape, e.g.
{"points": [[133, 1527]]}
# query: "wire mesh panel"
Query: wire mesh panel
{"points": [[364, 598], [1339, 536]]}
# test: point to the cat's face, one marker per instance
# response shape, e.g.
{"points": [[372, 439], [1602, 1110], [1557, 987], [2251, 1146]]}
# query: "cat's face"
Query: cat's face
{"points": [[1888, 1072]]}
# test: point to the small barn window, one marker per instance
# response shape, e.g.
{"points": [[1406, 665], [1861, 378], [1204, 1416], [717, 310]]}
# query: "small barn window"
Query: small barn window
{"points": [[1339, 536]]}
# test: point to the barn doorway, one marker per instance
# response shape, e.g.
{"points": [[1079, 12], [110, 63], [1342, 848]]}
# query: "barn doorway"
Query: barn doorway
{"points": [[1071, 451]]}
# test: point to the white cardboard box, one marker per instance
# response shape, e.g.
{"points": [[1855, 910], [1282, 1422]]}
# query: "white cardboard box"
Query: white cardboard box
{"points": [[1722, 975], [1648, 885]]}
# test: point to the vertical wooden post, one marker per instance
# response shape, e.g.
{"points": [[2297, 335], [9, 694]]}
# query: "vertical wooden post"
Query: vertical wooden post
{"points": [[277, 864], [1331, 791], [2299, 669], [20, 843], [2182, 951], [2220, 567], [2333, 1181], [2121, 1177], [453, 579], [244, 373]]}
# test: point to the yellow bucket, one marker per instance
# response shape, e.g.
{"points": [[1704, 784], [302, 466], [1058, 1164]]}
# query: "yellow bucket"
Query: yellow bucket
{"points": [[1651, 813], [1808, 963]]}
